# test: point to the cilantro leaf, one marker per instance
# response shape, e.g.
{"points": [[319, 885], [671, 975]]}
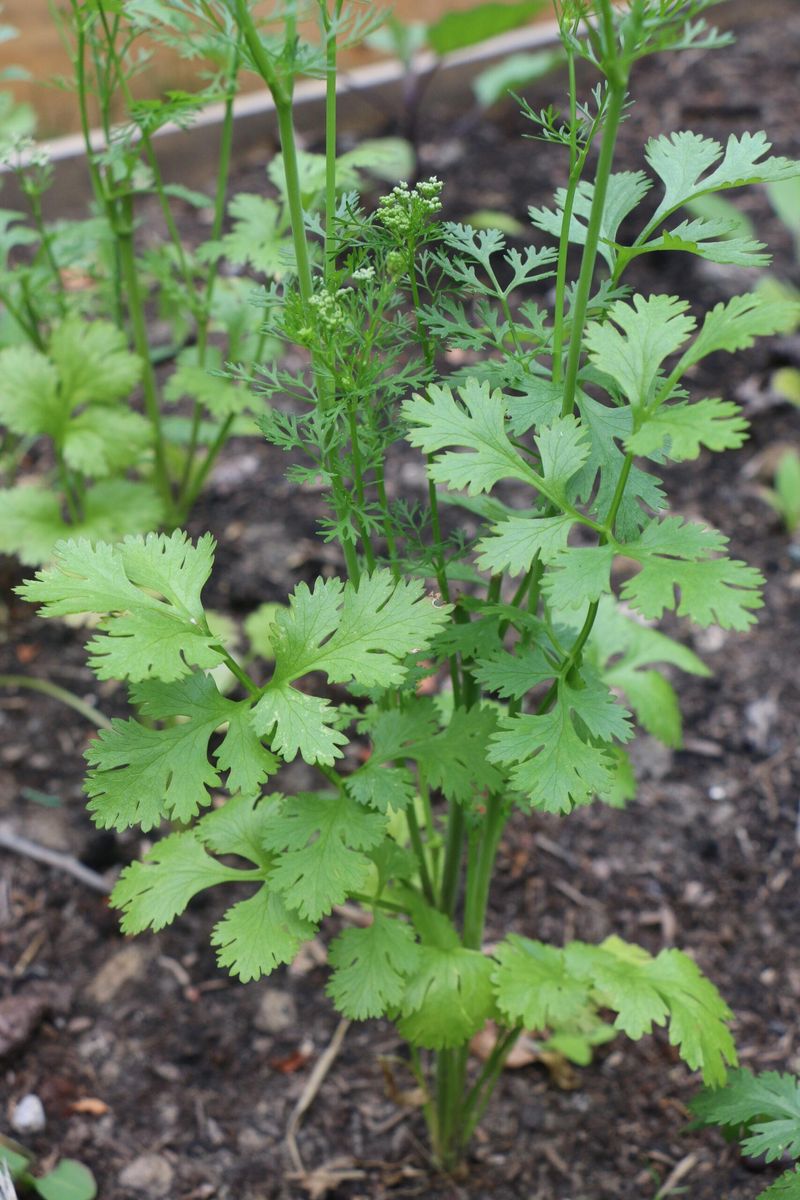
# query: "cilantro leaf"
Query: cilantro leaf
{"points": [[295, 723], [766, 1107], [646, 991], [650, 330], [320, 841], [371, 967], [153, 892], [259, 934], [217, 393], [578, 576], [143, 636], [139, 773], [29, 400], [624, 191], [682, 160], [678, 431], [513, 544], [93, 362], [258, 237], [553, 759], [734, 325], [513, 675], [534, 986], [239, 827], [448, 998], [478, 425], [677, 554]]}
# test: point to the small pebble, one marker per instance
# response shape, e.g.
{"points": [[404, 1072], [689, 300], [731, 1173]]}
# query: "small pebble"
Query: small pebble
{"points": [[27, 1115], [150, 1175], [276, 1012]]}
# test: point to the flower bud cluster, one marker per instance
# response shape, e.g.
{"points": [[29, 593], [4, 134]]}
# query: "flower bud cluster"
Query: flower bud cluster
{"points": [[405, 211], [328, 309]]}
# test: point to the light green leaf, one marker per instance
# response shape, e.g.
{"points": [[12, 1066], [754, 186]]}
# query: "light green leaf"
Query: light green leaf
{"points": [[646, 991], [320, 841], [552, 763], [513, 675], [239, 826], [105, 441], [766, 1107], [152, 893], [455, 760], [478, 425], [448, 998], [370, 967], [144, 635], [683, 163], [258, 237], [217, 393], [295, 723], [677, 554], [680, 430], [457, 30], [513, 544], [30, 403], [713, 240], [69, 1180], [650, 330], [93, 362], [257, 935], [625, 190], [564, 447], [534, 987], [578, 576], [140, 773], [736, 324], [787, 1187]]}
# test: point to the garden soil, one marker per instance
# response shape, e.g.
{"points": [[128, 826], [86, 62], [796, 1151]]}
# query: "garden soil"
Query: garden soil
{"points": [[170, 1080]]}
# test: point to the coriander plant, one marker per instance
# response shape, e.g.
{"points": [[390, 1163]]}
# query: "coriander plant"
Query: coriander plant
{"points": [[549, 439]]}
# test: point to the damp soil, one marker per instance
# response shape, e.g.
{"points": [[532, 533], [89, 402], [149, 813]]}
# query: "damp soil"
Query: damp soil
{"points": [[170, 1080]]}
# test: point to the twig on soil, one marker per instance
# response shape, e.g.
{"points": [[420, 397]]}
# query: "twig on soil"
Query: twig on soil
{"points": [[678, 1172], [52, 858], [315, 1081]]}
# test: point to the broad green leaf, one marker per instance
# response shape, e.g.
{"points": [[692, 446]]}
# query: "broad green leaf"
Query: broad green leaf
{"points": [[140, 774], [93, 362], [371, 967], [17, 1163], [785, 1188], [513, 675], [259, 934], [765, 1107], [103, 441], [513, 544], [144, 635], [736, 324], [448, 998], [381, 787], [534, 987], [625, 190], [563, 447], [649, 331], [678, 555], [714, 240], [217, 393], [30, 403], [455, 760], [646, 991], [320, 842], [478, 425], [152, 893], [69, 1180], [679, 431], [457, 30], [295, 723], [552, 762], [683, 163], [118, 508], [258, 237], [239, 827], [358, 633], [578, 576]]}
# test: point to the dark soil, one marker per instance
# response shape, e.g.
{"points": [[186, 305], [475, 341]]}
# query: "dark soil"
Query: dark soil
{"points": [[145, 1048]]}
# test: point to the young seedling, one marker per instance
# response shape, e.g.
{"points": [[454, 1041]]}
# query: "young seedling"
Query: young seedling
{"points": [[549, 651]]}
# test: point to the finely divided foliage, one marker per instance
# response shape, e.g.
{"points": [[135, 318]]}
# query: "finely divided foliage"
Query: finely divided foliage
{"points": [[552, 659]]}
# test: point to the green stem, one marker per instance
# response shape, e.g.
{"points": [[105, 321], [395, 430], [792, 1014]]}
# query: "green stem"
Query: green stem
{"points": [[139, 327], [613, 116], [479, 880], [419, 852], [57, 693]]}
